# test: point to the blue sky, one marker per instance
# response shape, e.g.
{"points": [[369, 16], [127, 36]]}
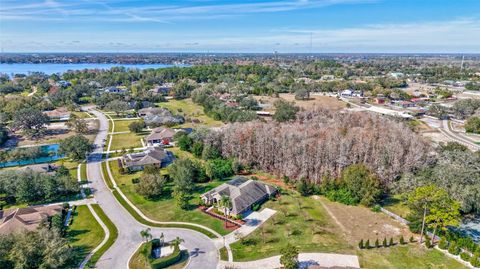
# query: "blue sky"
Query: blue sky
{"points": [[240, 26]]}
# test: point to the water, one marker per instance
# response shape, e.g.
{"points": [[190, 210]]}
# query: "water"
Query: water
{"points": [[47, 68], [51, 149], [472, 229]]}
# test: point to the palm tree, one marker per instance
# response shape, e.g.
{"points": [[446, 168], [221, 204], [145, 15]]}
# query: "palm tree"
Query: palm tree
{"points": [[176, 242], [146, 234], [226, 203], [162, 239]]}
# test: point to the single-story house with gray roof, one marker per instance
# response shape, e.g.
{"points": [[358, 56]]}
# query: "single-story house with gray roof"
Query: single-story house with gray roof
{"points": [[243, 194], [152, 156]]}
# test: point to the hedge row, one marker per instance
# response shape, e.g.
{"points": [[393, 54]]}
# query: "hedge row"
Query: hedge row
{"points": [[171, 259]]}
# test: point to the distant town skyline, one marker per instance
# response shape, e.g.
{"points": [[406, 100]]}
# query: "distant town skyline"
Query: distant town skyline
{"points": [[288, 26]]}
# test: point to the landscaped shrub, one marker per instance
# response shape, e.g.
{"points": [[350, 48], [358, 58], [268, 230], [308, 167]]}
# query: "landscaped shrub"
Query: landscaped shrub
{"points": [[428, 242], [255, 207], [475, 261], [391, 242], [454, 249], [367, 244], [173, 258], [402, 240], [360, 244], [443, 244], [342, 196], [465, 256], [376, 208], [384, 243], [377, 244], [411, 239]]}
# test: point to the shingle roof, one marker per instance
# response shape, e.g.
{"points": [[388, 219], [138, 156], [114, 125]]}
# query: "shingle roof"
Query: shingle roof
{"points": [[243, 193]]}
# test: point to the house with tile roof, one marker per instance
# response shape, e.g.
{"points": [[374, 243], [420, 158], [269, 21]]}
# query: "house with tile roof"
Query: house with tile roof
{"points": [[28, 219], [154, 156], [243, 194]]}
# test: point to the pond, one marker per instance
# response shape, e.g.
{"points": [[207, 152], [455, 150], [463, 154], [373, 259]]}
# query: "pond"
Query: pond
{"points": [[50, 150], [472, 229]]}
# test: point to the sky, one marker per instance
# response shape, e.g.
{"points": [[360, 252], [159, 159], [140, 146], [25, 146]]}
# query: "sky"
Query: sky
{"points": [[286, 26]]}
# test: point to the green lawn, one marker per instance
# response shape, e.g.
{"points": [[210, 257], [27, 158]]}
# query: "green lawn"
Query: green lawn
{"points": [[405, 257], [163, 208], [81, 115], [189, 110], [122, 125], [127, 141], [83, 172], [396, 205], [302, 221], [84, 234]]}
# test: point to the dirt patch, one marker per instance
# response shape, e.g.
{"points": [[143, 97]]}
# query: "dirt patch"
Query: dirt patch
{"points": [[315, 100], [362, 223]]}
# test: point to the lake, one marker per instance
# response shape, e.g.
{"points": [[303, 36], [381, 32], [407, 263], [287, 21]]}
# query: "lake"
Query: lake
{"points": [[47, 68]]}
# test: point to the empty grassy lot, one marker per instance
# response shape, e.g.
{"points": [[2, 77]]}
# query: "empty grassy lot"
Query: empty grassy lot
{"points": [[164, 208], [302, 221], [127, 141], [122, 125], [189, 110], [406, 257], [84, 234]]}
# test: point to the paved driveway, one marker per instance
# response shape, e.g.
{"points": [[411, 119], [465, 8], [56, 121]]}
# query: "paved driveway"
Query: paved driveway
{"points": [[252, 222], [202, 250]]}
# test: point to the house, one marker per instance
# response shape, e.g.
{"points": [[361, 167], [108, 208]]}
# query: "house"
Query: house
{"points": [[160, 136], [346, 93], [163, 89], [58, 114], [379, 100], [113, 90], [152, 156], [397, 75], [28, 219], [151, 111], [63, 83], [243, 194], [405, 104]]}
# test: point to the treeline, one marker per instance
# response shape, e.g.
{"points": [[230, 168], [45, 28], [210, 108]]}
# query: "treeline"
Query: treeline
{"points": [[46, 247], [456, 169], [34, 187], [322, 143], [218, 110]]}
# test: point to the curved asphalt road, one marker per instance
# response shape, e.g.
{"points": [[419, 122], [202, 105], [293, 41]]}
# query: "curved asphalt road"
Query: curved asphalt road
{"points": [[202, 250]]}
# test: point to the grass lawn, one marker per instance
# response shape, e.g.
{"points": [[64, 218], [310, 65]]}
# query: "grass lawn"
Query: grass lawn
{"points": [[302, 221], [122, 125], [405, 257], [395, 204], [189, 110], [81, 115], [127, 141], [138, 262], [163, 208], [84, 234], [83, 172]]}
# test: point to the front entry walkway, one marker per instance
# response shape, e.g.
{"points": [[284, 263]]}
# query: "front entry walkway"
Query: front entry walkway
{"points": [[305, 259], [252, 222]]}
